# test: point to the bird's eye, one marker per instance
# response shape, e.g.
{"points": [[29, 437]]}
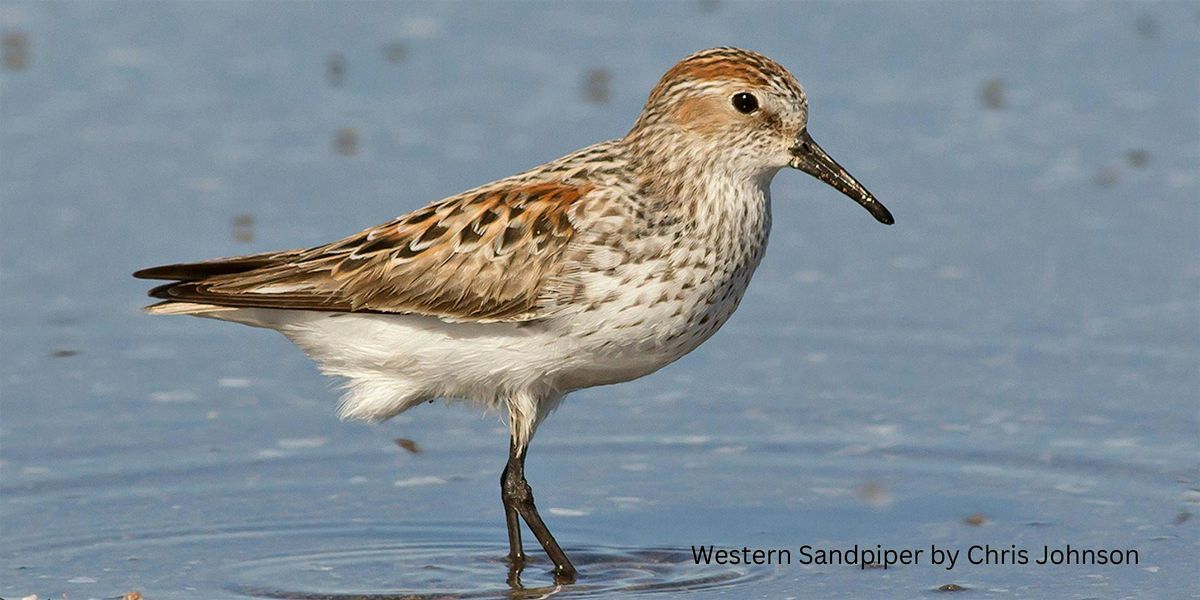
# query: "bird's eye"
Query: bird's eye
{"points": [[745, 102]]}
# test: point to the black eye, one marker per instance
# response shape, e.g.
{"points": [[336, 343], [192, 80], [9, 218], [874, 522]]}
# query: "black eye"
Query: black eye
{"points": [[745, 102]]}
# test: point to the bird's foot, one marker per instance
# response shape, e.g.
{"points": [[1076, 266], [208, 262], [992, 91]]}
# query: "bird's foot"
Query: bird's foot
{"points": [[564, 574]]}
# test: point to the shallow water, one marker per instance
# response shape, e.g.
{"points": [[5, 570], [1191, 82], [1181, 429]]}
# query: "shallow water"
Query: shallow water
{"points": [[1015, 362]]}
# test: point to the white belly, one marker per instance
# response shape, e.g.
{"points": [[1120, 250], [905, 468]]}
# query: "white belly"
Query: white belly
{"points": [[393, 362], [635, 318]]}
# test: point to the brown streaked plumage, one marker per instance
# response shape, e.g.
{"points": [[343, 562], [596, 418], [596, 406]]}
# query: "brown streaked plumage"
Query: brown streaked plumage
{"points": [[481, 256], [725, 64], [599, 267]]}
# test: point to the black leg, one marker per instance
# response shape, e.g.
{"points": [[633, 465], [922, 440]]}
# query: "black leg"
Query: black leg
{"points": [[518, 500], [516, 554]]}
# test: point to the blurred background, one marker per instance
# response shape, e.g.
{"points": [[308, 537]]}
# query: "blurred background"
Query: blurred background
{"points": [[1015, 362]]}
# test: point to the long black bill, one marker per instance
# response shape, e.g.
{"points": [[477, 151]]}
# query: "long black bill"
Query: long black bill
{"points": [[810, 158]]}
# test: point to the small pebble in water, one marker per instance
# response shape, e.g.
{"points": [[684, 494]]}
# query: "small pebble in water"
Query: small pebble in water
{"points": [[1108, 176], [395, 52], [335, 70], [64, 353], [243, 228], [975, 520], [345, 141], [992, 94], [953, 587], [408, 444], [596, 85], [15, 53], [1137, 158]]}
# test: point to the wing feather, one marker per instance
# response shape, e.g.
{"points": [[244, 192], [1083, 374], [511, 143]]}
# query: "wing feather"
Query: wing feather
{"points": [[218, 266], [488, 255]]}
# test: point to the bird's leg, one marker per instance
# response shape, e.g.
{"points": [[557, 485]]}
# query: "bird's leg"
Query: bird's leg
{"points": [[518, 496], [516, 553]]}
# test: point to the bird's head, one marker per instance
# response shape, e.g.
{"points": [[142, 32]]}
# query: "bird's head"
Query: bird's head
{"points": [[741, 111]]}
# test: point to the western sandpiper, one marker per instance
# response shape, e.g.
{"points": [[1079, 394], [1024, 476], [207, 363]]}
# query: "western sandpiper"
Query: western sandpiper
{"points": [[599, 267]]}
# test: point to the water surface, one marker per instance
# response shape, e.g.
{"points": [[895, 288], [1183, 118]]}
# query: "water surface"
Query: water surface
{"points": [[1014, 363]]}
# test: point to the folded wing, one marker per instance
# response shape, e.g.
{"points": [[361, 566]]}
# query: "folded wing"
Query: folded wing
{"points": [[487, 255]]}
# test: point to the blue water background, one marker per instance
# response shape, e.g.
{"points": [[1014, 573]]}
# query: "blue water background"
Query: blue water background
{"points": [[1021, 350]]}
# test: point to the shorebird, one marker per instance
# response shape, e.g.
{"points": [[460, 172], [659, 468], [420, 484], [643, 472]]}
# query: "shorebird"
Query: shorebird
{"points": [[599, 267]]}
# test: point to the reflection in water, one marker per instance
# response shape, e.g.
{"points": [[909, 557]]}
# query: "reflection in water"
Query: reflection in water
{"points": [[455, 571]]}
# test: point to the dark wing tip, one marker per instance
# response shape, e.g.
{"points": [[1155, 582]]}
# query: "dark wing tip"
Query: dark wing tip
{"points": [[217, 266], [162, 291], [163, 272]]}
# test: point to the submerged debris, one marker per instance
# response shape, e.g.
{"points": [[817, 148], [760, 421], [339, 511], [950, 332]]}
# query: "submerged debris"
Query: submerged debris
{"points": [[975, 520], [335, 70], [875, 493], [1108, 176], [596, 85], [345, 141], [992, 94], [1146, 26], [952, 587], [243, 228], [1137, 158], [15, 52], [395, 52]]}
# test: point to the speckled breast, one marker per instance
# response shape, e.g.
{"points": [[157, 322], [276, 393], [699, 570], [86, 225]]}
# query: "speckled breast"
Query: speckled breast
{"points": [[656, 307]]}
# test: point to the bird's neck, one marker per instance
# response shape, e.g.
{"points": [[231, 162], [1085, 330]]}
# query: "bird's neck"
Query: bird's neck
{"points": [[679, 176]]}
